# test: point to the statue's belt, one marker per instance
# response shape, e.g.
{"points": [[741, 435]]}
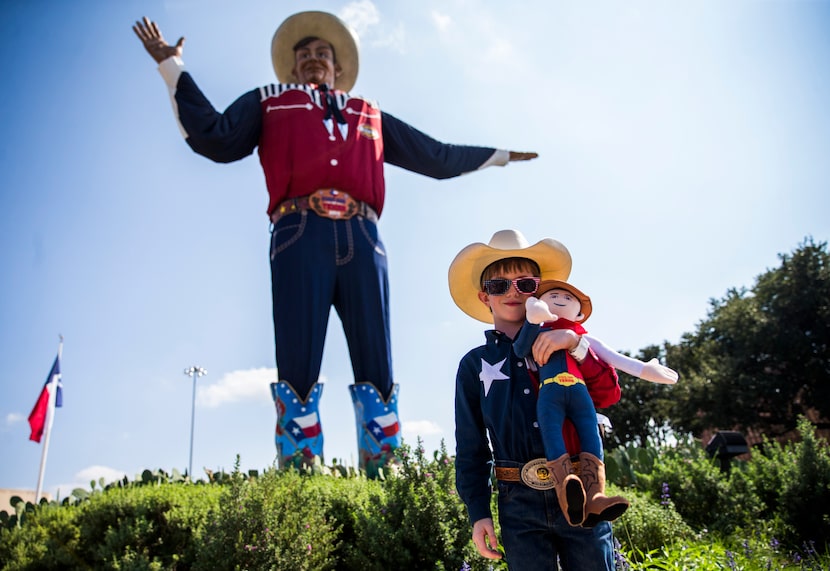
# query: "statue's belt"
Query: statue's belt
{"points": [[328, 203]]}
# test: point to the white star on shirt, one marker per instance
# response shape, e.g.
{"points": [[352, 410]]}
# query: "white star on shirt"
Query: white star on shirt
{"points": [[490, 373]]}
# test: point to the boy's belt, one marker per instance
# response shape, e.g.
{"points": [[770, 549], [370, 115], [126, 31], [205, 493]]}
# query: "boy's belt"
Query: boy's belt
{"points": [[534, 474], [328, 203]]}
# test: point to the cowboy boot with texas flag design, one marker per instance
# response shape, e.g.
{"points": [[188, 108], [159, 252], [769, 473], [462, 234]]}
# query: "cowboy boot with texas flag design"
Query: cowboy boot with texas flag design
{"points": [[378, 427], [299, 435]]}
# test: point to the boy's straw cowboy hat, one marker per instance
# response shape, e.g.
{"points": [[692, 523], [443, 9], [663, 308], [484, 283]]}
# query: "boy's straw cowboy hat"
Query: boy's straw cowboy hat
{"points": [[552, 256], [319, 25]]}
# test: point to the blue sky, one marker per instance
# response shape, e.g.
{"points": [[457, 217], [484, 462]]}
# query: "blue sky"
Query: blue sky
{"points": [[682, 148]]}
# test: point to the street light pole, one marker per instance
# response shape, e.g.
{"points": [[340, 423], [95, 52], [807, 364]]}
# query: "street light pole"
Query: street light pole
{"points": [[194, 372]]}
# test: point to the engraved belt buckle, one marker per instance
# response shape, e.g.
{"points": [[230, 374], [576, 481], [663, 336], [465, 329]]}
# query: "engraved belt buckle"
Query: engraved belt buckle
{"points": [[535, 474], [333, 203]]}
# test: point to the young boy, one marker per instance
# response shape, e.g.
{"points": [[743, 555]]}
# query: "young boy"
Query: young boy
{"points": [[495, 408]]}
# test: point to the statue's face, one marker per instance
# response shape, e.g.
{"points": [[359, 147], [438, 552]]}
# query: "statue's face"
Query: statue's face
{"points": [[314, 63]]}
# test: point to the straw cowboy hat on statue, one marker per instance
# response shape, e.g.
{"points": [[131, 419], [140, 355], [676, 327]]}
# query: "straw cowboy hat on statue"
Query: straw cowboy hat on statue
{"points": [[324, 26]]}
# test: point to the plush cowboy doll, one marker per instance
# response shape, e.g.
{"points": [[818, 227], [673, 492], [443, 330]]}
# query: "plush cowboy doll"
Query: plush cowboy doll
{"points": [[563, 394]]}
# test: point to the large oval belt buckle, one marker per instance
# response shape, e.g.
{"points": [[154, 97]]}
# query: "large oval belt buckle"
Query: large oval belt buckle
{"points": [[535, 474], [333, 203]]}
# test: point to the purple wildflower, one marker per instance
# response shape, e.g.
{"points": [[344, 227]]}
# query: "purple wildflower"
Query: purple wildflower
{"points": [[731, 560], [665, 496]]}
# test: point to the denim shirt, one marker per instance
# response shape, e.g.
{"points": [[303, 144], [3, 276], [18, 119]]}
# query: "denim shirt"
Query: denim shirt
{"points": [[495, 396]]}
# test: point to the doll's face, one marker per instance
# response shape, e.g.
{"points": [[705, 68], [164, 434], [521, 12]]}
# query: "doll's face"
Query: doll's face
{"points": [[563, 303]]}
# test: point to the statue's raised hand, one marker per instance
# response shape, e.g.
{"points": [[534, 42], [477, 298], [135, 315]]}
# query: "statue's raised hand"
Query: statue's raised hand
{"points": [[150, 35]]}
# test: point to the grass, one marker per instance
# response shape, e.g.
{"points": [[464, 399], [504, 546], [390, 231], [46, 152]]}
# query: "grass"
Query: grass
{"points": [[709, 553]]}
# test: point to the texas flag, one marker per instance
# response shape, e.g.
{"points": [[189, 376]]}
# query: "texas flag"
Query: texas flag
{"points": [[383, 426], [302, 427], [37, 418]]}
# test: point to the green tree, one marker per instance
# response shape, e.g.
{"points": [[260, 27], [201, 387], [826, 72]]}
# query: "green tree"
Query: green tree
{"points": [[643, 414], [760, 358]]}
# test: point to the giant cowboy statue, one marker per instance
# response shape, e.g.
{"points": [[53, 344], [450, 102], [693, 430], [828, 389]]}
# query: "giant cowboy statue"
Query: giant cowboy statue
{"points": [[322, 151]]}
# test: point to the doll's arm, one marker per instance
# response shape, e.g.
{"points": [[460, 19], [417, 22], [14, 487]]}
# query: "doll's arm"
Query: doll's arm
{"points": [[537, 311], [523, 344], [652, 371]]}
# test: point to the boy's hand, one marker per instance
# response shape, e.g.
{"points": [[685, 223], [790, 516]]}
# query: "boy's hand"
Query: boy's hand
{"points": [[537, 311], [656, 373], [553, 340], [484, 538]]}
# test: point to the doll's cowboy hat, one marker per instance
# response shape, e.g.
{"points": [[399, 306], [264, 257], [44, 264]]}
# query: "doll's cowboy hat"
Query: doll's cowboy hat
{"points": [[552, 256], [319, 25], [547, 285]]}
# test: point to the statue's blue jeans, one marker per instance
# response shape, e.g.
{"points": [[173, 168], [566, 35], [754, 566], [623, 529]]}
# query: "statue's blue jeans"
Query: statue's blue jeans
{"points": [[316, 264]]}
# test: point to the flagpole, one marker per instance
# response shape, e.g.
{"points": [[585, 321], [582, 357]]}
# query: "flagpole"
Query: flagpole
{"points": [[50, 414], [194, 371]]}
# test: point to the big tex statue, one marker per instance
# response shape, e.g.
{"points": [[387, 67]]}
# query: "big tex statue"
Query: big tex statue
{"points": [[322, 152]]}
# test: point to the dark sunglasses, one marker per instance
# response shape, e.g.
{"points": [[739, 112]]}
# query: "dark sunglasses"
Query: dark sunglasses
{"points": [[500, 286]]}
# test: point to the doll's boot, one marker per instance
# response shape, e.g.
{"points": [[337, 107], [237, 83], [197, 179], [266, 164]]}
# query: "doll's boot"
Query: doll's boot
{"points": [[378, 428], [598, 506], [569, 489], [299, 436]]}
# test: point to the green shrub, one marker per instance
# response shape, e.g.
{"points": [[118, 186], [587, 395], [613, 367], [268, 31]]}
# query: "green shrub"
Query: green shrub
{"points": [[139, 527], [271, 522], [144, 527], [624, 462], [704, 496], [793, 481], [755, 551], [764, 512], [352, 504], [648, 524], [47, 539], [412, 519], [421, 524], [287, 520]]}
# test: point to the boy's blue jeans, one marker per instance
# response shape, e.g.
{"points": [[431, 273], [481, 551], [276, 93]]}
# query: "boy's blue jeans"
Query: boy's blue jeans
{"points": [[534, 532], [317, 263]]}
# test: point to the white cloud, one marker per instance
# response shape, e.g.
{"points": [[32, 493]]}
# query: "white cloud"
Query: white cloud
{"points": [[83, 478], [14, 418], [394, 40], [441, 21], [98, 472], [253, 384], [412, 429], [480, 36], [365, 18], [361, 15]]}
